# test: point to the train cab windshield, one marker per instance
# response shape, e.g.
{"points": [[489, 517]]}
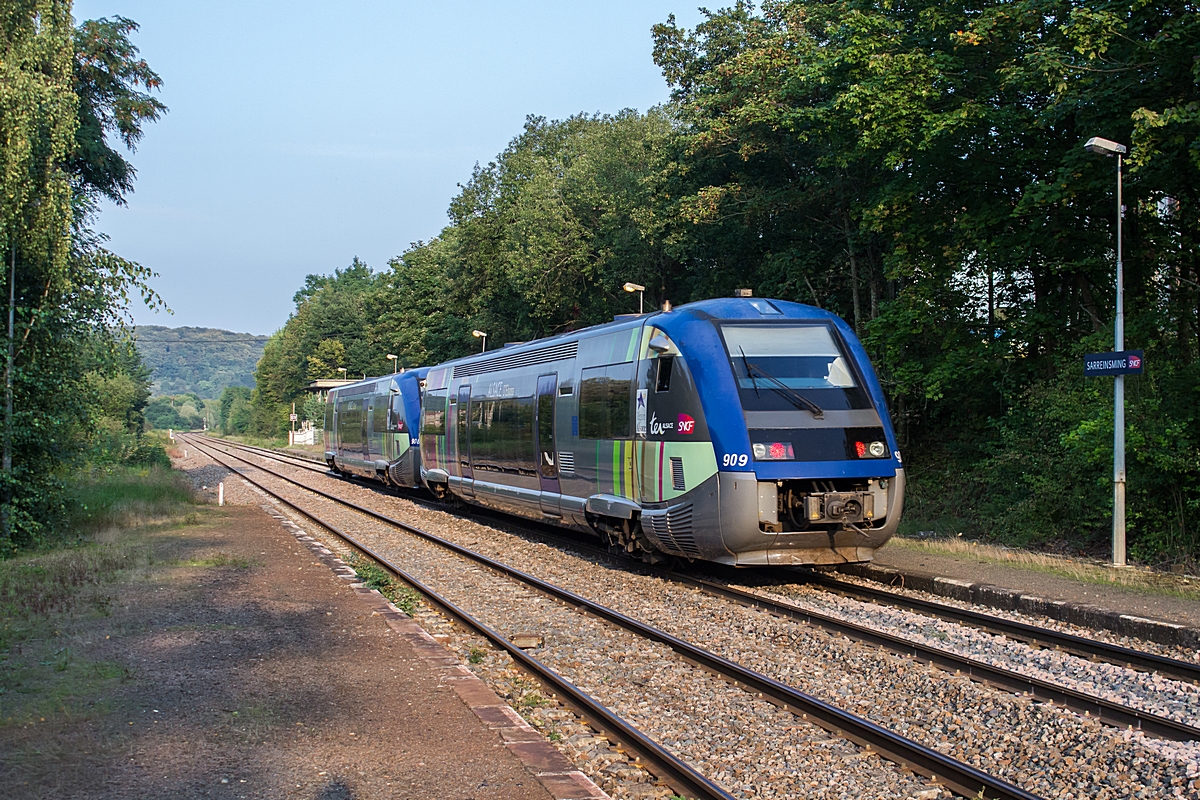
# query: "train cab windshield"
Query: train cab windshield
{"points": [[788, 366]]}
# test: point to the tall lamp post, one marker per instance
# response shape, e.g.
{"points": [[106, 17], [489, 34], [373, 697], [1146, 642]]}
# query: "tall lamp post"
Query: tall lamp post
{"points": [[392, 358], [1106, 147], [343, 371], [481, 335], [636, 287]]}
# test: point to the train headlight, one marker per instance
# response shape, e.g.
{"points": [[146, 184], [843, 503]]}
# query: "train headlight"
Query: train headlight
{"points": [[773, 451], [875, 449]]}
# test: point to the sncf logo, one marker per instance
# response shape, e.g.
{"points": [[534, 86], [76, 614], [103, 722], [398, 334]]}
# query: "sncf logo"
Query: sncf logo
{"points": [[1135, 362], [686, 424]]}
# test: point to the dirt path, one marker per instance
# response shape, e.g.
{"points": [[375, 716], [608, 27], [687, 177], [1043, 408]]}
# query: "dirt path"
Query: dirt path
{"points": [[236, 665]]}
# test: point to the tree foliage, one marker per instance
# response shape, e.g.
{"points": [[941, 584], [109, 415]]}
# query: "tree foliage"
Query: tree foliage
{"points": [[71, 293], [916, 168], [200, 360]]}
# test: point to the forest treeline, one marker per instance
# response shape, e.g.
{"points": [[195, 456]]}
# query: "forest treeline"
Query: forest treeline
{"points": [[78, 384], [198, 360], [917, 168]]}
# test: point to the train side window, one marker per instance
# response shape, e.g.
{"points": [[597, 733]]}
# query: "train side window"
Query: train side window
{"points": [[663, 382], [620, 399], [593, 404], [396, 423], [379, 415], [434, 423], [605, 402], [350, 420]]}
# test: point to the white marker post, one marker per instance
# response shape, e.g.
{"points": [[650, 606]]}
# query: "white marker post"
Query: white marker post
{"points": [[221, 493]]}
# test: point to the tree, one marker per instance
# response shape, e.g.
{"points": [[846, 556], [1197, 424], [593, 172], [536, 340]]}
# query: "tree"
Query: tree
{"points": [[108, 74], [68, 293]]}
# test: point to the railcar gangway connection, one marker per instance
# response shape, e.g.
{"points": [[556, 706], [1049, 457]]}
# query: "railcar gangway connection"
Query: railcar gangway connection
{"points": [[962, 778]]}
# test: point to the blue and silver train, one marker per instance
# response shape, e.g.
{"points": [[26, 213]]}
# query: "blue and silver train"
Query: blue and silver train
{"points": [[371, 429], [743, 431]]}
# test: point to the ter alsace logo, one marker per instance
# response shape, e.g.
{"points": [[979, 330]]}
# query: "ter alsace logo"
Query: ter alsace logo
{"points": [[686, 424]]}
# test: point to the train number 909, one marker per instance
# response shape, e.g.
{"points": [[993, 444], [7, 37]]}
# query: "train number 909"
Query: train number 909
{"points": [[734, 460]]}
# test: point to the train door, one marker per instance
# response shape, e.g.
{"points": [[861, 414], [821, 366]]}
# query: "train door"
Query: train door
{"points": [[462, 439], [547, 397]]}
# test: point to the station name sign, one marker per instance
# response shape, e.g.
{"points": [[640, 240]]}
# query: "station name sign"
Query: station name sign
{"points": [[1125, 362]]}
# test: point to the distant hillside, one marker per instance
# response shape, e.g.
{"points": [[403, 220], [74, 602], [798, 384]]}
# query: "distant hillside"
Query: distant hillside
{"points": [[200, 360]]}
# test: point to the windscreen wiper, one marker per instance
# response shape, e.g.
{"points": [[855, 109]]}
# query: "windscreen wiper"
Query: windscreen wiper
{"points": [[749, 372], [794, 397]]}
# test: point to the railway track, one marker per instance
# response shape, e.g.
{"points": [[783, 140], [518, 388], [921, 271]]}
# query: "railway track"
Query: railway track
{"points": [[1037, 636], [1024, 632], [1081, 701], [662, 761], [963, 778]]}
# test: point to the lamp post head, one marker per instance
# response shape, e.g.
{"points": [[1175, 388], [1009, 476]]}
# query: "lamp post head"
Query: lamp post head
{"points": [[633, 287], [1104, 147], [478, 334]]}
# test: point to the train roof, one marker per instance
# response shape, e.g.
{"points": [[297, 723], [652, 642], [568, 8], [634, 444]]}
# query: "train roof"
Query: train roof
{"points": [[720, 308], [367, 384]]}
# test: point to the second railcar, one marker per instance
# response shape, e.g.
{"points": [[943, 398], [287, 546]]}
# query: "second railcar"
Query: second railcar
{"points": [[371, 428]]}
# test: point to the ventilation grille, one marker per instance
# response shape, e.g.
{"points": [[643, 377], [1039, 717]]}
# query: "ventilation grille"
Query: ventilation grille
{"points": [[677, 475], [527, 358], [673, 530], [566, 463], [401, 472]]}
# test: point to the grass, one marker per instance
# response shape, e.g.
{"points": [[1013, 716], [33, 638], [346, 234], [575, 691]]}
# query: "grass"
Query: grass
{"points": [[37, 585], [374, 576], [48, 583], [126, 497], [1137, 579], [254, 441], [273, 444]]}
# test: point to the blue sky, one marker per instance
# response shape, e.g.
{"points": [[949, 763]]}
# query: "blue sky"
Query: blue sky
{"points": [[303, 134]]}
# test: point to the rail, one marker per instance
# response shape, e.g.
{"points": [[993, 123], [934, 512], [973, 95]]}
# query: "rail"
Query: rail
{"points": [[1106, 711], [678, 773], [1032, 634], [961, 778]]}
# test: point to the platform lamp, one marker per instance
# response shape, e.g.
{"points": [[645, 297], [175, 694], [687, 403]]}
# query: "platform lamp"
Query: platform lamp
{"points": [[343, 371], [395, 365], [1107, 147], [635, 287], [481, 335]]}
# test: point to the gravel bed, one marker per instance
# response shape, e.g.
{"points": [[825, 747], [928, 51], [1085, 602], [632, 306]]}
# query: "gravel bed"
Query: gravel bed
{"points": [[753, 748], [1151, 692], [587, 748], [1044, 749], [205, 475], [1098, 634]]}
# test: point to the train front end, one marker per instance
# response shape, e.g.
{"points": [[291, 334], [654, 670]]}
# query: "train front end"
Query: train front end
{"points": [[807, 466]]}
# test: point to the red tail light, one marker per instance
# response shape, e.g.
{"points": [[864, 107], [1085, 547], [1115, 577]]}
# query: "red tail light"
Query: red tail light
{"points": [[773, 451], [860, 448]]}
